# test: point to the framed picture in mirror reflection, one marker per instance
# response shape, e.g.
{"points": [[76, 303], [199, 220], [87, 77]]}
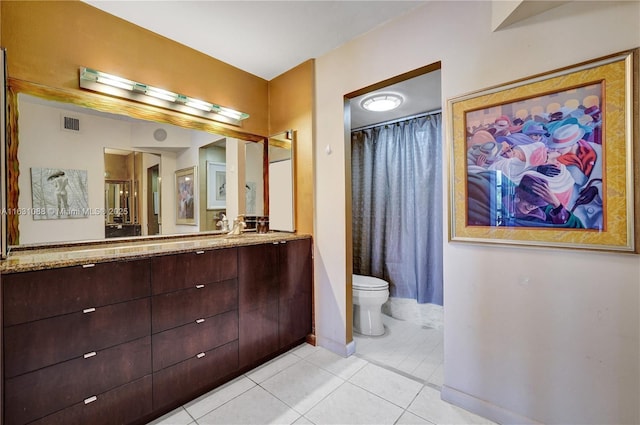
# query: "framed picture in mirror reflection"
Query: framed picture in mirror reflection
{"points": [[216, 185], [185, 195]]}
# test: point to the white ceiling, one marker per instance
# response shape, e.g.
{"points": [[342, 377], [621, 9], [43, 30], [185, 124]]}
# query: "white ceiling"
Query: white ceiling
{"points": [[264, 38], [420, 94], [267, 38]]}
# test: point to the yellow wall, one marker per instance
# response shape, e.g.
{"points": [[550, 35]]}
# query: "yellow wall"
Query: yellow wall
{"points": [[291, 107], [47, 41]]}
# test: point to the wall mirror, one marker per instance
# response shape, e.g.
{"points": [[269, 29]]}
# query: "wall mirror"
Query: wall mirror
{"points": [[118, 171], [281, 181]]}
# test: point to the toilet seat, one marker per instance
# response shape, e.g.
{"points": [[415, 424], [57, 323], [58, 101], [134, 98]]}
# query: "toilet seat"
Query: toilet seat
{"points": [[369, 283]]}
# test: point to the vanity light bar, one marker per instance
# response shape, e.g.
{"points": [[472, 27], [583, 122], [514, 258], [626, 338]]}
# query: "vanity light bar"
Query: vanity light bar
{"points": [[113, 85]]}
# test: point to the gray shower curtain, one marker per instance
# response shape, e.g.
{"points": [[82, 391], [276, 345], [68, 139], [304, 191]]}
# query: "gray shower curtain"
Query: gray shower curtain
{"points": [[397, 206]]}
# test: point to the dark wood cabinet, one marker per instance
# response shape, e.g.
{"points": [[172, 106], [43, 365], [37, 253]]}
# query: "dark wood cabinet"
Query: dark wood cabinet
{"points": [[123, 405], [258, 284], [183, 381], [124, 342], [275, 297], [33, 345], [195, 322], [37, 394], [181, 307], [34, 295], [295, 305], [73, 333], [182, 271], [186, 341]]}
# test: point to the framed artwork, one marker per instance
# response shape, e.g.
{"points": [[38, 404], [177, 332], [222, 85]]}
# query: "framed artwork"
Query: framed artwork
{"points": [[548, 160], [58, 193], [186, 196], [216, 185]]}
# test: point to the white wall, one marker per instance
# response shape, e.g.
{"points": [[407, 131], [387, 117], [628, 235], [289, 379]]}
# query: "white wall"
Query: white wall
{"points": [[254, 164], [563, 348], [44, 144]]}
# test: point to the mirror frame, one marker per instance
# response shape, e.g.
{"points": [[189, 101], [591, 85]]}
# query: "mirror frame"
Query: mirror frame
{"points": [[102, 103]]}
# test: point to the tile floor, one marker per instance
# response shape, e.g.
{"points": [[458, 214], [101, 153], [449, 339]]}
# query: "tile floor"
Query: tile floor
{"points": [[393, 379]]}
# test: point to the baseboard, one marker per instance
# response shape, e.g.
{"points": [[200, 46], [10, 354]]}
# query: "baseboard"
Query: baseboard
{"points": [[337, 347], [311, 339], [483, 408]]}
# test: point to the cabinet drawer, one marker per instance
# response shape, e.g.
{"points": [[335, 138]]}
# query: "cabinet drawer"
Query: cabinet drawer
{"points": [[178, 308], [39, 294], [45, 391], [178, 344], [45, 342], [179, 383], [173, 272], [122, 405]]}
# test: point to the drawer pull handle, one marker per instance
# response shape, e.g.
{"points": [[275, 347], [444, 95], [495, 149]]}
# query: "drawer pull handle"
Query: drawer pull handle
{"points": [[199, 252], [91, 354], [201, 355], [199, 286], [89, 310], [86, 266], [275, 243], [283, 241], [90, 399], [199, 320]]}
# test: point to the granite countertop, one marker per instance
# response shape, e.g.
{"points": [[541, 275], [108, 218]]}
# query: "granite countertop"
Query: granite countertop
{"points": [[34, 258]]}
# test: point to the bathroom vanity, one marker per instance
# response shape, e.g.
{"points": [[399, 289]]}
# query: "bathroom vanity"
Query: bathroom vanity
{"points": [[125, 332]]}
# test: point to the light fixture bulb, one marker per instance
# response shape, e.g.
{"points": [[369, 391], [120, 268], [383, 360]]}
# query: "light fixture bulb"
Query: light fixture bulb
{"points": [[162, 94], [382, 102], [113, 85]]}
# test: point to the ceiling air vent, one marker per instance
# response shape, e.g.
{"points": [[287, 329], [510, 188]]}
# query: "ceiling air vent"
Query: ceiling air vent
{"points": [[71, 124]]}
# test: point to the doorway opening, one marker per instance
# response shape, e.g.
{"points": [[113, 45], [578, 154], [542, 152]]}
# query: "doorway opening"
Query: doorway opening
{"points": [[153, 200], [395, 201]]}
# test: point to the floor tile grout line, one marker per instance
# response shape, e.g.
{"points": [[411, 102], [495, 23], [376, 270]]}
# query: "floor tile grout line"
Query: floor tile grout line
{"points": [[311, 408], [226, 402], [392, 369]]}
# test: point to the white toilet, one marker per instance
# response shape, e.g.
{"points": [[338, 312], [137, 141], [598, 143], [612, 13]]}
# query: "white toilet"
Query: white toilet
{"points": [[369, 293]]}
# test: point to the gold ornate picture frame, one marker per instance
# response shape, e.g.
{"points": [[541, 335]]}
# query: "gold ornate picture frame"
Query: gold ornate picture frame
{"points": [[548, 160]]}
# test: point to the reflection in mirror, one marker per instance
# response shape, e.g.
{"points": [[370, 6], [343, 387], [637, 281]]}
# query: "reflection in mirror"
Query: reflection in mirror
{"points": [[130, 210], [281, 201], [82, 141], [232, 181], [118, 202]]}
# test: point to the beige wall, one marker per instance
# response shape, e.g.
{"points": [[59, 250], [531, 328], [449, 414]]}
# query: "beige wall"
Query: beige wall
{"points": [[291, 107], [544, 335], [47, 41]]}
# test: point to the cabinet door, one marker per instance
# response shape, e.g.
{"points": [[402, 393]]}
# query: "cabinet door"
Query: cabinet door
{"points": [[295, 308], [258, 280], [35, 295], [174, 272]]}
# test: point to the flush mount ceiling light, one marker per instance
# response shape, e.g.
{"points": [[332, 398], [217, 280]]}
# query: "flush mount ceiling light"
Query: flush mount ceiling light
{"points": [[113, 85], [382, 102]]}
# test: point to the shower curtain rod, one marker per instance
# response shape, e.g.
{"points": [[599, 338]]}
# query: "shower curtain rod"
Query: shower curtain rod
{"points": [[410, 117]]}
